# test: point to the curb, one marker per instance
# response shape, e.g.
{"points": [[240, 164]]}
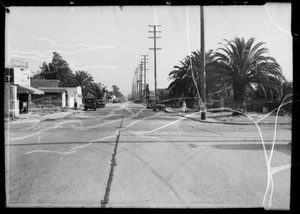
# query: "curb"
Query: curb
{"points": [[233, 123]]}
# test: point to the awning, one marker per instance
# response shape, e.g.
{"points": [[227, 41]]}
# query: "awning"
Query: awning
{"points": [[25, 89]]}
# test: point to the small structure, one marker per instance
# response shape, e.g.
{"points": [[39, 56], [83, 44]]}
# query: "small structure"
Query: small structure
{"points": [[53, 97], [56, 96], [17, 91], [73, 94]]}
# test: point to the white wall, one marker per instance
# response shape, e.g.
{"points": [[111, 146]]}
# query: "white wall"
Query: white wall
{"points": [[16, 102], [79, 95], [22, 77], [63, 99], [71, 101]]}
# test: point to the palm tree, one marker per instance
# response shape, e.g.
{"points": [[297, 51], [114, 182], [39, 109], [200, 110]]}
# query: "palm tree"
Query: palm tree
{"points": [[247, 68], [183, 84], [84, 79]]}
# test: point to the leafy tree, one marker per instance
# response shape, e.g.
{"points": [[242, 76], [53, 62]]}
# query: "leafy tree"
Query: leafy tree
{"points": [[65, 74], [46, 72], [246, 68], [57, 69]]}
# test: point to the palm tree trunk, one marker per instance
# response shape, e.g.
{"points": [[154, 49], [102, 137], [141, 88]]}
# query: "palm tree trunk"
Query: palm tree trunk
{"points": [[239, 99]]}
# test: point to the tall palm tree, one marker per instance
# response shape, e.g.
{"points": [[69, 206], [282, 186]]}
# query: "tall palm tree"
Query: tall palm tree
{"points": [[246, 68]]}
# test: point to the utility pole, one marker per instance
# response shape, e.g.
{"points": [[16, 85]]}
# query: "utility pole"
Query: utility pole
{"points": [[132, 90], [141, 80], [144, 57], [203, 72], [155, 48], [137, 82]]}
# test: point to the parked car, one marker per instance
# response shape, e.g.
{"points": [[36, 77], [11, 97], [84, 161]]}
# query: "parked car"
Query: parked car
{"points": [[159, 107], [149, 105], [100, 103], [116, 101], [89, 103], [137, 101]]}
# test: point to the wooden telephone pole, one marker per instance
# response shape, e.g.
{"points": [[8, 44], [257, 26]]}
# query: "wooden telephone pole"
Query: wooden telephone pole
{"points": [[145, 61], [155, 48], [203, 72]]}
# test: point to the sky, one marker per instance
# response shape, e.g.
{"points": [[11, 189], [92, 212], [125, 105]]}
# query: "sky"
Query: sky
{"points": [[108, 41]]}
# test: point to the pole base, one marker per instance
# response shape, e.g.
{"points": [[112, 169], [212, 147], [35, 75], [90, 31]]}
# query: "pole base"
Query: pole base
{"points": [[203, 115]]}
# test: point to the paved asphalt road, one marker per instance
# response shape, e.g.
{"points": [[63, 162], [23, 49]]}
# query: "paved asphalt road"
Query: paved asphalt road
{"points": [[124, 155]]}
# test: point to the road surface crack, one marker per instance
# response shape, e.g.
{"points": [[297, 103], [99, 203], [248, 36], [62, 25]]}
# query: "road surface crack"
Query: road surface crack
{"points": [[113, 163]]}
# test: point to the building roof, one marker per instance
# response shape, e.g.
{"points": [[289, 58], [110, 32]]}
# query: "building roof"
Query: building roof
{"points": [[25, 89], [52, 90], [44, 83]]}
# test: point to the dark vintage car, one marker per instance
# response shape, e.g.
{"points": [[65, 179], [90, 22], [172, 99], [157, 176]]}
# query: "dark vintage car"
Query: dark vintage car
{"points": [[100, 103], [149, 105], [89, 103], [159, 106]]}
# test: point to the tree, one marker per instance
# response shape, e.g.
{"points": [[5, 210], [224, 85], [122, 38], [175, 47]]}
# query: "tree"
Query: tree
{"points": [[94, 89], [246, 68], [85, 80], [57, 69], [117, 93], [183, 84], [65, 74]]}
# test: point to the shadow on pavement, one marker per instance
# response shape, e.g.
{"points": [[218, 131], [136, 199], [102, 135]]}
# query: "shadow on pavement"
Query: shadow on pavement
{"points": [[285, 148]]}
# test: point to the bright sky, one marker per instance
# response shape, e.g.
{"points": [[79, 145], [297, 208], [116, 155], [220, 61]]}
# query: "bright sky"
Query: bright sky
{"points": [[108, 41]]}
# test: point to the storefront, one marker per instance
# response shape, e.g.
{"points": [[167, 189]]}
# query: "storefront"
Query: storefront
{"points": [[17, 92], [24, 94]]}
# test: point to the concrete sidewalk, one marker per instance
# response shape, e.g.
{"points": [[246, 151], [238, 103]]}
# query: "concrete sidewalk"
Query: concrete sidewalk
{"points": [[227, 118]]}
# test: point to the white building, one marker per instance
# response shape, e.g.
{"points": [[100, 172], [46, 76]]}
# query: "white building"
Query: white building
{"points": [[72, 95]]}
